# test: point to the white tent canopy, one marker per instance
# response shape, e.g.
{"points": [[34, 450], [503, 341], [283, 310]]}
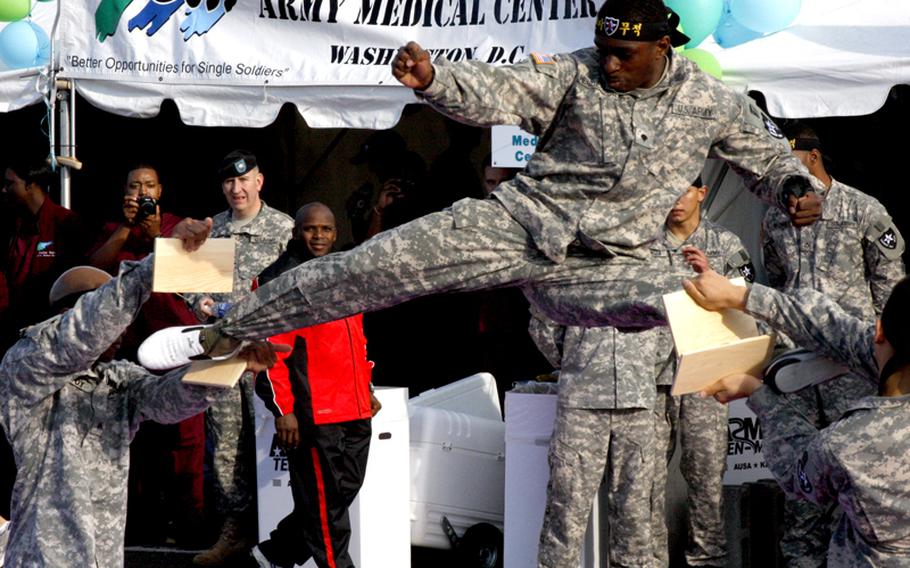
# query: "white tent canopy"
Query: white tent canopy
{"points": [[839, 58]]}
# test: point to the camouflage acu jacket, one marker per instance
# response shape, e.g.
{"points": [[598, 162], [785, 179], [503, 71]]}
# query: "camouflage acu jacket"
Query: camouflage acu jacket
{"points": [[852, 254], [862, 461], [70, 421], [609, 165]]}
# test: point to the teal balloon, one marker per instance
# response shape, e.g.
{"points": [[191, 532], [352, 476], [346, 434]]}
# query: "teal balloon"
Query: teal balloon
{"points": [[765, 16], [705, 60], [44, 45], [729, 32], [698, 17], [18, 45]]}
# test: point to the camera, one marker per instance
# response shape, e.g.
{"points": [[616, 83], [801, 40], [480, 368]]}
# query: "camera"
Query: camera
{"points": [[147, 206]]}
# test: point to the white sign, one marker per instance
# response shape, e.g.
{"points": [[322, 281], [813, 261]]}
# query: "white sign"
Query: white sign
{"points": [[380, 527], [745, 462], [305, 42], [511, 146]]}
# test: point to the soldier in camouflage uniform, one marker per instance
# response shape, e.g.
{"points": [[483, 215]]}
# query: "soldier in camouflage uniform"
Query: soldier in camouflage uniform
{"points": [[260, 234], [602, 432], [70, 412], [702, 422], [580, 217], [853, 256], [860, 461]]}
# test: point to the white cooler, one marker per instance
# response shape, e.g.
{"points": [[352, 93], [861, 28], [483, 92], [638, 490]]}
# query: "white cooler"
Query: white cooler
{"points": [[529, 427], [379, 516], [457, 459]]}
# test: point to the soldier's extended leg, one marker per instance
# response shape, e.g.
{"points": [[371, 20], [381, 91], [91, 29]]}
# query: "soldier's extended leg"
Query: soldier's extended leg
{"points": [[473, 245], [703, 437], [578, 456]]}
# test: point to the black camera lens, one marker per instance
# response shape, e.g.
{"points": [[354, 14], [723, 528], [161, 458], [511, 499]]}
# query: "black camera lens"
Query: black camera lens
{"points": [[148, 206]]}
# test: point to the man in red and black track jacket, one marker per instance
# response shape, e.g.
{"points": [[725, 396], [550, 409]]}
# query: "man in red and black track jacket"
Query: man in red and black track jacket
{"points": [[321, 397]]}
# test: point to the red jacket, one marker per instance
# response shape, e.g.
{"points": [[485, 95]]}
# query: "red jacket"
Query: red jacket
{"points": [[325, 379]]}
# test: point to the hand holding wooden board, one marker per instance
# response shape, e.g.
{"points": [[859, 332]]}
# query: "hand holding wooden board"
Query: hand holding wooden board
{"points": [[711, 345], [210, 269]]}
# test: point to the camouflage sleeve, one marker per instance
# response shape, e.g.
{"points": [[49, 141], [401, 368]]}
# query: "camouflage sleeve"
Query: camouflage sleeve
{"points": [[774, 266], [41, 362], [738, 263], [526, 94], [883, 246], [757, 150], [817, 323], [796, 452], [167, 400], [548, 336]]}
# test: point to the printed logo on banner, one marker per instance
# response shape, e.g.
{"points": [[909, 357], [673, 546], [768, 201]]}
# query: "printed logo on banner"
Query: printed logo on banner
{"points": [[745, 462], [200, 16], [276, 453]]}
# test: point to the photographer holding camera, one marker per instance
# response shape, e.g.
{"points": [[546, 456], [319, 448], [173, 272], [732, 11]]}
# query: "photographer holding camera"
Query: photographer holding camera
{"points": [[166, 482], [143, 221]]}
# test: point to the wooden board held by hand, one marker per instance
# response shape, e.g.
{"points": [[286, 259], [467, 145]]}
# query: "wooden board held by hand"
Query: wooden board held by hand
{"points": [[712, 345], [223, 374], [209, 269]]}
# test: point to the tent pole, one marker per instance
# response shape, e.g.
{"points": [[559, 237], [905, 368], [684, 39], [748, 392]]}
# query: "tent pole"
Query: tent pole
{"points": [[63, 119], [66, 109]]}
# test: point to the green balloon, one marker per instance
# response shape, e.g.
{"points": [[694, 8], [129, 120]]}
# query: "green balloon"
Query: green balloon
{"points": [[705, 60], [14, 10]]}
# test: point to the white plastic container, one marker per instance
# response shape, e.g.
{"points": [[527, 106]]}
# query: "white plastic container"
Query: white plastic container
{"points": [[475, 395], [457, 459], [529, 427], [379, 515]]}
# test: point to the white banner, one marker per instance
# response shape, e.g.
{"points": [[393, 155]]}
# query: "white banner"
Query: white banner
{"points": [[305, 42], [745, 462]]}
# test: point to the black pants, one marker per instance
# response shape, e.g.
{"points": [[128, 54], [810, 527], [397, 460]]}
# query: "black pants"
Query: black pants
{"points": [[326, 470]]}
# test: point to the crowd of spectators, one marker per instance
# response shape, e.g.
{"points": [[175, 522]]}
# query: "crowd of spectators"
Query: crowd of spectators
{"points": [[171, 499]]}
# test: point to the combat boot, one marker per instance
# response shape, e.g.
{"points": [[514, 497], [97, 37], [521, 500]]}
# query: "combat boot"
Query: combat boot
{"points": [[231, 542]]}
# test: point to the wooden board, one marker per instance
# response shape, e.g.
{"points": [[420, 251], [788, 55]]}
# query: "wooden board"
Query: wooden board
{"points": [[695, 328], [701, 369], [209, 269], [223, 374], [712, 345]]}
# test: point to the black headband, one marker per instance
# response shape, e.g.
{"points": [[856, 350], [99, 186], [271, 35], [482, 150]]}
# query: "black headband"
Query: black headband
{"points": [[618, 28], [805, 144]]}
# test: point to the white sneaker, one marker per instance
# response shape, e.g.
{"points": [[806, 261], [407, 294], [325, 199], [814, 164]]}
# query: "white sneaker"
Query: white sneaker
{"points": [[171, 347], [797, 369]]}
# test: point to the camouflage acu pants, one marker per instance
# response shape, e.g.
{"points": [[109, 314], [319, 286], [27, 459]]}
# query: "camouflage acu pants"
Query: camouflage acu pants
{"points": [[475, 244], [588, 446], [807, 526], [662, 451], [702, 427], [229, 436]]}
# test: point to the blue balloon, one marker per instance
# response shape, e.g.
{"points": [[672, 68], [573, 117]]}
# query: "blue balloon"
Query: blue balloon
{"points": [[44, 44], [729, 32], [18, 45], [765, 16]]}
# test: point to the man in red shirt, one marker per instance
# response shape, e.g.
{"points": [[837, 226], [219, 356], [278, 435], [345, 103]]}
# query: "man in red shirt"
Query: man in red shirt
{"points": [[321, 397], [44, 240], [166, 478]]}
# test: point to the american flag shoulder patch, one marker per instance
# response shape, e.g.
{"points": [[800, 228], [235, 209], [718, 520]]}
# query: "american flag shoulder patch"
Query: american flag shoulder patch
{"points": [[542, 58]]}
